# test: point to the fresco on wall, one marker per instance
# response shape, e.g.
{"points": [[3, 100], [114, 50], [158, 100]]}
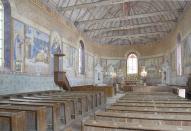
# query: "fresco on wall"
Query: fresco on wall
{"points": [[55, 48], [70, 55], [18, 44], [122, 71], [112, 67], [153, 66], [36, 51], [71, 58], [103, 63], [173, 60], [31, 49], [90, 65]]}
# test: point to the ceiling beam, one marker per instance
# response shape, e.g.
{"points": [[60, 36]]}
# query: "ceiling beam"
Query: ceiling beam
{"points": [[158, 13], [104, 3], [132, 26], [132, 35], [95, 4]]}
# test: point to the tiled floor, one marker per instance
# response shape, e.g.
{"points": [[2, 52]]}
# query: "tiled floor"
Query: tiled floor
{"points": [[76, 125]]}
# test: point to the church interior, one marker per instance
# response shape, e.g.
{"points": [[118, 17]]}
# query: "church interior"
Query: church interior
{"points": [[95, 65]]}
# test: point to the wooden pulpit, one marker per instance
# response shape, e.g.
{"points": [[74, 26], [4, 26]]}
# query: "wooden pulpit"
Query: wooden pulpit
{"points": [[59, 75]]}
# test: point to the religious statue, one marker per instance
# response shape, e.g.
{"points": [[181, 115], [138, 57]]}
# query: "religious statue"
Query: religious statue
{"points": [[165, 72], [98, 74]]}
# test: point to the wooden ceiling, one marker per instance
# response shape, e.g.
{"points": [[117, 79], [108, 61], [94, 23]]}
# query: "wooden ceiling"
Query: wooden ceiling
{"points": [[122, 21]]}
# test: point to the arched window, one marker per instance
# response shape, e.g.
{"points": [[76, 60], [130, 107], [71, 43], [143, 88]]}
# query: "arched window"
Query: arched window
{"points": [[81, 58], [1, 34], [179, 55], [132, 64]]}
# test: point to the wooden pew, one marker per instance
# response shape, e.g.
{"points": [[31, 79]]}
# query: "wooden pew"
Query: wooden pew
{"points": [[63, 113], [81, 101], [155, 119], [12, 121], [107, 90], [75, 107], [148, 110], [153, 99], [98, 96], [91, 97], [162, 102], [153, 105], [68, 105], [35, 116], [149, 93], [92, 125], [52, 112], [150, 96]]}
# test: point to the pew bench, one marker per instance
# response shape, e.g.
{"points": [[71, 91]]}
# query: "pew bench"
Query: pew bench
{"points": [[64, 114], [99, 98], [35, 116], [155, 119], [76, 108], [81, 101], [150, 93], [153, 99], [72, 104], [92, 125], [12, 121], [65, 111], [52, 112], [155, 105], [161, 102], [147, 110]]}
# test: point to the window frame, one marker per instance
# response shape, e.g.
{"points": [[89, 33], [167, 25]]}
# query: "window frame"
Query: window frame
{"points": [[134, 68]]}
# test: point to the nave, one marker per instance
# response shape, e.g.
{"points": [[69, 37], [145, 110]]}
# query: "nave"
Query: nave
{"points": [[58, 110], [95, 65]]}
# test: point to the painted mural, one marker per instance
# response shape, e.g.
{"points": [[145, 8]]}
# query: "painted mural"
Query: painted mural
{"points": [[36, 51], [173, 60], [55, 48], [70, 58], [31, 49], [89, 65], [113, 68], [19, 37], [153, 66], [103, 63]]}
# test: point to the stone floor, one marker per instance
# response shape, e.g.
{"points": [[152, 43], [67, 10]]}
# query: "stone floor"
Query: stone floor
{"points": [[76, 125]]}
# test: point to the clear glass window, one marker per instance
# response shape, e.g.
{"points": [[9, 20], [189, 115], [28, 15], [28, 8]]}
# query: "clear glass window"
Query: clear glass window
{"points": [[132, 64]]}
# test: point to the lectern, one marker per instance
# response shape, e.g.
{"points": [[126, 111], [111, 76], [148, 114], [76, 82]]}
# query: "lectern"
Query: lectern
{"points": [[59, 75]]}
